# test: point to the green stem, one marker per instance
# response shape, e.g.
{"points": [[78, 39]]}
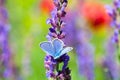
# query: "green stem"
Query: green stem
{"points": [[57, 69], [118, 51]]}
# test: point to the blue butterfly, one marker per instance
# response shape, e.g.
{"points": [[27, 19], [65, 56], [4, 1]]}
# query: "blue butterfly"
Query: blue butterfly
{"points": [[55, 48]]}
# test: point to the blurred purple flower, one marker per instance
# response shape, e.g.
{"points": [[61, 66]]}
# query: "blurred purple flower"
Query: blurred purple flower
{"points": [[78, 38], [117, 4], [5, 54], [85, 54], [110, 63], [114, 13], [70, 28]]}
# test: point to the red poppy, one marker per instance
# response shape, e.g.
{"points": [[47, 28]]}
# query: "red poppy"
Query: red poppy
{"points": [[46, 6], [96, 15]]}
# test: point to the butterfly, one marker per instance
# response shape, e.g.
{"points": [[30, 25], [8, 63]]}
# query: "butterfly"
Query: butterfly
{"points": [[56, 48]]}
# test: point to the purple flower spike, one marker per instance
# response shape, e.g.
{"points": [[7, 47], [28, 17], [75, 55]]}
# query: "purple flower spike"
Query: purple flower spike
{"points": [[52, 61], [113, 45], [6, 67], [114, 14]]}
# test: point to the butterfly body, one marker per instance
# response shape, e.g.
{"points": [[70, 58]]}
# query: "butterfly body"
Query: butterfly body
{"points": [[55, 48]]}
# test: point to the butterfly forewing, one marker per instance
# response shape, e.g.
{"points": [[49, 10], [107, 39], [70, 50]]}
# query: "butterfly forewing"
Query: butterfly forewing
{"points": [[48, 48], [58, 45]]}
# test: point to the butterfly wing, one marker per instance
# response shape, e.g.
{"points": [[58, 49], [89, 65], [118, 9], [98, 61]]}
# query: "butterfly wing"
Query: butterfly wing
{"points": [[58, 45], [48, 48], [65, 50]]}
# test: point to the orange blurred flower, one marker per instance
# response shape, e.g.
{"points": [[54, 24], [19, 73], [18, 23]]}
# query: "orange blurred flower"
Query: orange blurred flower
{"points": [[96, 15], [46, 6]]}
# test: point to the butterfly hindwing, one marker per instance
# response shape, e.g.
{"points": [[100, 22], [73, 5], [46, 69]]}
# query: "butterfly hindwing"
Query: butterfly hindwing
{"points": [[63, 51], [48, 48], [58, 45]]}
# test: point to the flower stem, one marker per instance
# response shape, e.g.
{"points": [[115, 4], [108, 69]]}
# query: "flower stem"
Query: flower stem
{"points": [[57, 69], [118, 52]]}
